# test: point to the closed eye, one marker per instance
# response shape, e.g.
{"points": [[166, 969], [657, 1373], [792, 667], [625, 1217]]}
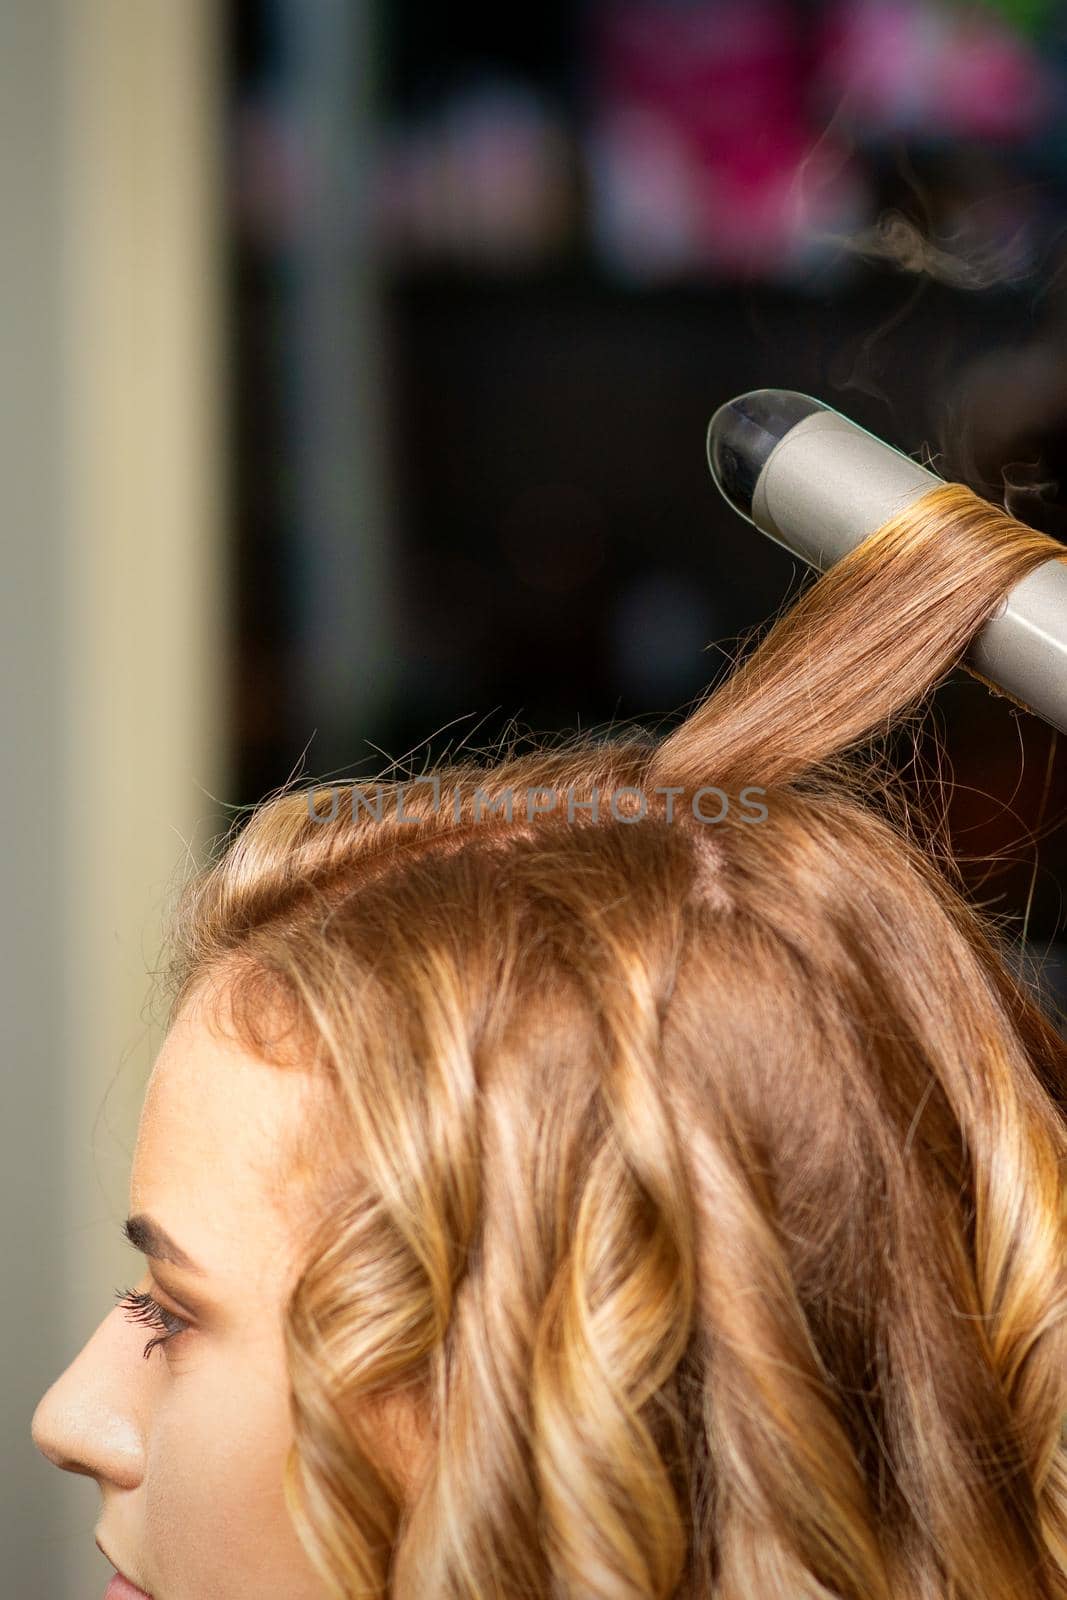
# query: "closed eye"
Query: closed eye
{"points": [[139, 1306]]}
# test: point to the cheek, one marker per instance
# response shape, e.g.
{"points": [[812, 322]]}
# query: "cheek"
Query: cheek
{"points": [[216, 1523]]}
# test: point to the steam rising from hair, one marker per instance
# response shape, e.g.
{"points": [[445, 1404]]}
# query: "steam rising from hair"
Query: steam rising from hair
{"points": [[962, 264]]}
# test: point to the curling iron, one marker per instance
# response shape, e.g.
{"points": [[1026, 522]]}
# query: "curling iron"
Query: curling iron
{"points": [[818, 484]]}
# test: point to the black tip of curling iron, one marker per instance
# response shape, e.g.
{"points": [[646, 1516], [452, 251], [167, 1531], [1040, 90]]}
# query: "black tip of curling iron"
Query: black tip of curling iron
{"points": [[744, 431]]}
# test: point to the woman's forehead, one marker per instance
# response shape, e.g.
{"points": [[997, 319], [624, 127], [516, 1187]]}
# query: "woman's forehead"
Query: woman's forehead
{"points": [[217, 1130]]}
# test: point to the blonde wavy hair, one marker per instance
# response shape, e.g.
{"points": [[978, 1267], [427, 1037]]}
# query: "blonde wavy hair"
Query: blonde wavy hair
{"points": [[697, 1187]]}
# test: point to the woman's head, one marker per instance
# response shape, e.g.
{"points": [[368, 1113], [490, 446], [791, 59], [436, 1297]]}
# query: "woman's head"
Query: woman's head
{"points": [[189, 1444], [602, 1199]]}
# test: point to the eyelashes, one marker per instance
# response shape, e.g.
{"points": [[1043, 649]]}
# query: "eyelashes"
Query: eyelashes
{"points": [[140, 1307]]}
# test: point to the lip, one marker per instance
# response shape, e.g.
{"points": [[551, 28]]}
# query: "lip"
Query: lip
{"points": [[121, 1587]]}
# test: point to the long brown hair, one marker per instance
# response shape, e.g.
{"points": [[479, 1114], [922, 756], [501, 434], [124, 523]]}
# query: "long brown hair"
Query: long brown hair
{"points": [[694, 1172]]}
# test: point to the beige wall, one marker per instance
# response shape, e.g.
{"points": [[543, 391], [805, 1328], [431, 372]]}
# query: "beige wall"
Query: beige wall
{"points": [[113, 599]]}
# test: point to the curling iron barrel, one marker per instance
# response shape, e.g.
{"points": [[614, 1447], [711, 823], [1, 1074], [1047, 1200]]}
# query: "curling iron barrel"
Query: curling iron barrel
{"points": [[818, 484]]}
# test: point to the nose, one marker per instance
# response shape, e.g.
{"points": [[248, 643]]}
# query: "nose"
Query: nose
{"points": [[88, 1420]]}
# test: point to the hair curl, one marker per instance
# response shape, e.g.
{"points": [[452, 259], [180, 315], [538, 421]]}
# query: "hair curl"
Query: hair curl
{"points": [[699, 1189]]}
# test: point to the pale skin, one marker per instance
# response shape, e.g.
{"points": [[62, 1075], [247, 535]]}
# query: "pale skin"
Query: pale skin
{"points": [[188, 1446]]}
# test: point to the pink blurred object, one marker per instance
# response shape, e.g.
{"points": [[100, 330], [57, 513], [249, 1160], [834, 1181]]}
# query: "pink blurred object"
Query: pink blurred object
{"points": [[937, 70], [700, 151]]}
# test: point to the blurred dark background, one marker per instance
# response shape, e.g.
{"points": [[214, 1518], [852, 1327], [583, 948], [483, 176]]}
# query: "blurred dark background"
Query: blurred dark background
{"points": [[491, 272]]}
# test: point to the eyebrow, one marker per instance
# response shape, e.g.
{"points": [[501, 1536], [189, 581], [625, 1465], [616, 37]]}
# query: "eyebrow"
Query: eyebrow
{"points": [[151, 1240]]}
